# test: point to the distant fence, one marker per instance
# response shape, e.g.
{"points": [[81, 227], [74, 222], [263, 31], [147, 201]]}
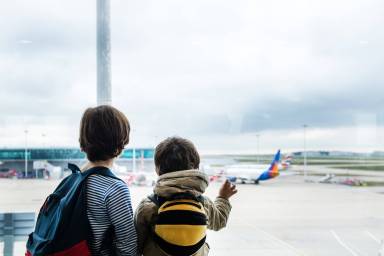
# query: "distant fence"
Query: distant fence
{"points": [[15, 227]]}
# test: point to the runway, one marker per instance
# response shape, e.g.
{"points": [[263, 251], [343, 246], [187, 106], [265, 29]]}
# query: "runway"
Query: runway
{"points": [[280, 217]]}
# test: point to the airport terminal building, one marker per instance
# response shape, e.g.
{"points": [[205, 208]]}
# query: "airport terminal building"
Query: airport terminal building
{"points": [[16, 158]]}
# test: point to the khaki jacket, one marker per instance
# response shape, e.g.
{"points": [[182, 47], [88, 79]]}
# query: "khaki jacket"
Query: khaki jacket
{"points": [[192, 181]]}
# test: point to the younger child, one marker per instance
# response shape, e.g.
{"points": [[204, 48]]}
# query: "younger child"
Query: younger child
{"points": [[177, 162]]}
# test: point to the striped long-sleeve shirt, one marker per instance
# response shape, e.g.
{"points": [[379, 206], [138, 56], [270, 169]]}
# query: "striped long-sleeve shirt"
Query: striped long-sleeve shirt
{"points": [[109, 206]]}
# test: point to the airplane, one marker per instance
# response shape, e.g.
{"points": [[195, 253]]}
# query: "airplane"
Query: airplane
{"points": [[286, 162], [253, 173], [142, 178], [138, 178], [218, 176]]}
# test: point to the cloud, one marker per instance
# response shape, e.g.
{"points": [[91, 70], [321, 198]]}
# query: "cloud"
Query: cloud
{"points": [[197, 69]]}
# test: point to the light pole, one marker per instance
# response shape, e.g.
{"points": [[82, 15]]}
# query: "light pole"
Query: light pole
{"points": [[134, 159], [142, 160], [305, 151], [26, 153], [133, 144], [257, 147], [44, 136]]}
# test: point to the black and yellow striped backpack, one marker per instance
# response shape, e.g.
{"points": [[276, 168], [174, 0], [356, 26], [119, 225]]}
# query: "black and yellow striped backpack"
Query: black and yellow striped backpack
{"points": [[180, 226]]}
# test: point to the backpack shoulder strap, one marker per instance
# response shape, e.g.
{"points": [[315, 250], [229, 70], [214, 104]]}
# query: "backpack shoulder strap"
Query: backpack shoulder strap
{"points": [[99, 170], [74, 168], [187, 195], [106, 172], [157, 200], [154, 199]]}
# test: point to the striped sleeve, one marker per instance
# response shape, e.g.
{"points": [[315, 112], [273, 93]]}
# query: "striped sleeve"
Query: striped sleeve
{"points": [[119, 208]]}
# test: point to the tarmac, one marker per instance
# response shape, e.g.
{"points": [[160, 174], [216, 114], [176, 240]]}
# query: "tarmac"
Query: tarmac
{"points": [[279, 217]]}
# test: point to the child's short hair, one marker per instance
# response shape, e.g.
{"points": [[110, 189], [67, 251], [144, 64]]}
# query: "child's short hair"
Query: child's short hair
{"points": [[104, 132], [176, 154]]}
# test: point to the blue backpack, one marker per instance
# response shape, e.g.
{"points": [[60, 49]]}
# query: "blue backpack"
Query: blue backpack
{"points": [[62, 227]]}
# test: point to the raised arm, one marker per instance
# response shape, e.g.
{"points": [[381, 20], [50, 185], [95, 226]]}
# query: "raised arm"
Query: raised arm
{"points": [[218, 211]]}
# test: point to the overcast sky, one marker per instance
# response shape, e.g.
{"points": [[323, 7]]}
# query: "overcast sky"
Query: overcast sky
{"points": [[215, 71]]}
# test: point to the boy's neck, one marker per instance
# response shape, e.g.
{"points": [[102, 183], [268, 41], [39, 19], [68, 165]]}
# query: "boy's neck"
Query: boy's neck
{"points": [[107, 163]]}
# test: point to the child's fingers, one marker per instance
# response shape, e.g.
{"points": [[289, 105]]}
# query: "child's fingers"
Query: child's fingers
{"points": [[233, 189], [227, 184], [233, 192]]}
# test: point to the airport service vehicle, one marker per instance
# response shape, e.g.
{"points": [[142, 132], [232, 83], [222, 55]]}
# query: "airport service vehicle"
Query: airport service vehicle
{"points": [[253, 173], [51, 171], [8, 173]]}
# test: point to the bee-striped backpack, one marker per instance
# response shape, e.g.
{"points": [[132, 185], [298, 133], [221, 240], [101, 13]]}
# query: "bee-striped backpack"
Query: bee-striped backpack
{"points": [[180, 225]]}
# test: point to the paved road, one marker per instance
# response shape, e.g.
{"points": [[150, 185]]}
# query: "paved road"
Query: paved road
{"points": [[281, 217], [321, 169]]}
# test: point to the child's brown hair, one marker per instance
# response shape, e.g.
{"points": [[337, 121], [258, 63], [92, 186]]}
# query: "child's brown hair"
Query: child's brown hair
{"points": [[176, 154], [104, 132]]}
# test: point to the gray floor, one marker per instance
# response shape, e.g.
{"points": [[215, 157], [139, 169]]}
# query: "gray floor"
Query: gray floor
{"points": [[283, 217]]}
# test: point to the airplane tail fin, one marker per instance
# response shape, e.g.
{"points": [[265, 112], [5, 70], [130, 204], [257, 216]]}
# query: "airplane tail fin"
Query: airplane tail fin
{"points": [[286, 162], [273, 169]]}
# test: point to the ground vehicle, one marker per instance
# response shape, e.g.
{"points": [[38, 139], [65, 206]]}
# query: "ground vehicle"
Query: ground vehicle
{"points": [[8, 173]]}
